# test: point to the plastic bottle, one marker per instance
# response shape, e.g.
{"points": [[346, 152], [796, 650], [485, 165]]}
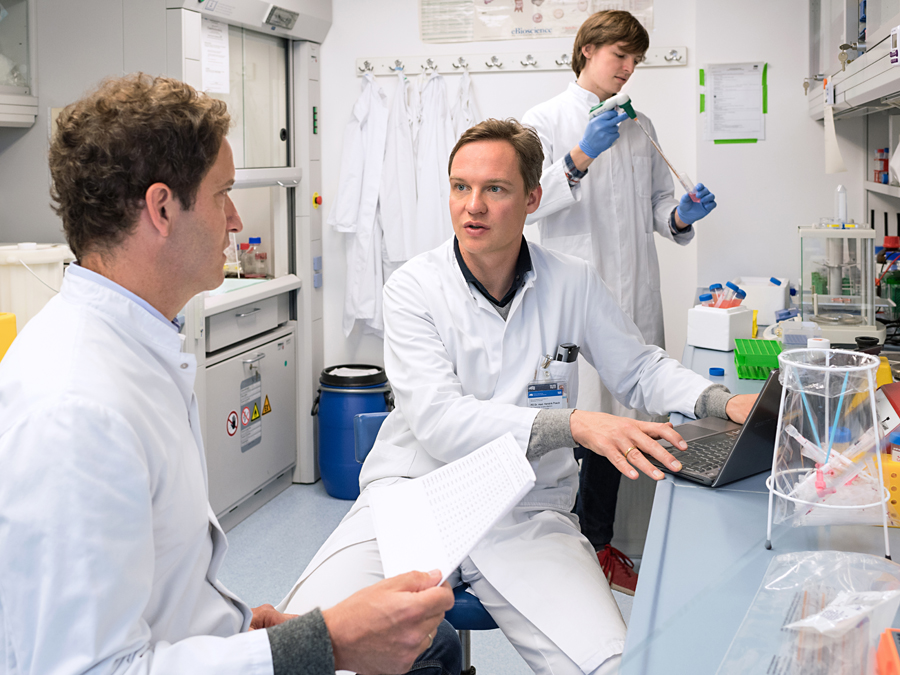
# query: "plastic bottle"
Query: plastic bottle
{"points": [[727, 296], [706, 299], [243, 258], [716, 291], [739, 297], [257, 260], [840, 204]]}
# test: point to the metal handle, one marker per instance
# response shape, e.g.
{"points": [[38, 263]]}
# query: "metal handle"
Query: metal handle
{"points": [[256, 358], [252, 311]]}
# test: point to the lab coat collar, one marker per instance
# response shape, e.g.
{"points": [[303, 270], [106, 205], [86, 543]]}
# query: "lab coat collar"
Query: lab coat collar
{"points": [[523, 267], [582, 94], [127, 316]]}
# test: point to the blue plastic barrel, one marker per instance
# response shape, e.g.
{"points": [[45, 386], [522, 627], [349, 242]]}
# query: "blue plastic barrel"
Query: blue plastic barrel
{"points": [[344, 392]]}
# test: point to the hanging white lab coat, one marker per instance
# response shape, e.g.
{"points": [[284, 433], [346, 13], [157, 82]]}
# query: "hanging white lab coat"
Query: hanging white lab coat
{"points": [[460, 374], [356, 202], [609, 218], [397, 197], [108, 548], [464, 112], [434, 140]]}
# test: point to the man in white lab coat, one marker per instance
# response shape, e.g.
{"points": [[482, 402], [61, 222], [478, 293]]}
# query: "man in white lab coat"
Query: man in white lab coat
{"points": [[108, 547], [609, 215], [467, 326]]}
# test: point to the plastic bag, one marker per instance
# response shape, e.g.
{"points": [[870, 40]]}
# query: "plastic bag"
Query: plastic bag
{"points": [[821, 594]]}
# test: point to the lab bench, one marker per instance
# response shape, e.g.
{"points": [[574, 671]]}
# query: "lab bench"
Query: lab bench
{"points": [[705, 558]]}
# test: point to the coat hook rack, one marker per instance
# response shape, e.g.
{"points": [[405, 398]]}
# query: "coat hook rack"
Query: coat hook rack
{"points": [[564, 60], [494, 63], [461, 63], [529, 61], [366, 67]]}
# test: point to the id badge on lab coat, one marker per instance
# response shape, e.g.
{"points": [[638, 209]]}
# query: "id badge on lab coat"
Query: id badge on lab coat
{"points": [[548, 390]]}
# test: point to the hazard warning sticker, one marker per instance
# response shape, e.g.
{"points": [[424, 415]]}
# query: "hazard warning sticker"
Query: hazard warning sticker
{"points": [[251, 418], [266, 407], [231, 424]]}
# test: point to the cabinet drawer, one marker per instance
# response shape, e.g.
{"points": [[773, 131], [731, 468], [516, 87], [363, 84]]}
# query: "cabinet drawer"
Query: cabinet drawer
{"points": [[241, 323]]}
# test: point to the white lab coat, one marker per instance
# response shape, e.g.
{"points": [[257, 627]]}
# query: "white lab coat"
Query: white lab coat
{"points": [[434, 141], [459, 374], [397, 197], [609, 218], [464, 111], [355, 204], [108, 548]]}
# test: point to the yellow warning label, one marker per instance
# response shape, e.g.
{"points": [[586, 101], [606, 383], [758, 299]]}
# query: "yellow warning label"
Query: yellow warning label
{"points": [[266, 407], [255, 415]]}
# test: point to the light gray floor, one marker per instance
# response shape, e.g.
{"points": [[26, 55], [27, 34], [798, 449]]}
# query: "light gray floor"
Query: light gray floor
{"points": [[269, 550]]}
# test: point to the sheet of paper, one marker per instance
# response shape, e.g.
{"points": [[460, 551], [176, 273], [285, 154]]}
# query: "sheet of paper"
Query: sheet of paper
{"points": [[434, 521], [834, 163], [734, 102], [214, 56]]}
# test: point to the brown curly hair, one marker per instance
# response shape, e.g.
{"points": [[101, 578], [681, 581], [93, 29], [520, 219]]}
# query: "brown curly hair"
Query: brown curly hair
{"points": [[606, 28], [524, 140], [112, 145]]}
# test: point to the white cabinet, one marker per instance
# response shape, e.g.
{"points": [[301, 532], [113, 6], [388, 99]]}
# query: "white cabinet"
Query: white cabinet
{"points": [[18, 103]]}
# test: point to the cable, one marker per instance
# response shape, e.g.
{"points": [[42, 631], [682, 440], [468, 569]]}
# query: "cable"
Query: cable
{"points": [[37, 277]]}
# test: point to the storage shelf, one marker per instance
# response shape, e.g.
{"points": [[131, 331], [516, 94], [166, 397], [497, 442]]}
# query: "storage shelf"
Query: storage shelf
{"points": [[881, 188]]}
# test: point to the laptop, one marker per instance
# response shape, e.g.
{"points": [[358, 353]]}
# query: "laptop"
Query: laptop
{"points": [[721, 451]]}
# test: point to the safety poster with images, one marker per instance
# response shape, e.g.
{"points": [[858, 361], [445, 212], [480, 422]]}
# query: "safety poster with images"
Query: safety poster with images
{"points": [[472, 20]]}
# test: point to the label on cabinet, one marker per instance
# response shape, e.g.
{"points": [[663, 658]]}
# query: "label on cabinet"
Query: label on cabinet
{"points": [[251, 417]]}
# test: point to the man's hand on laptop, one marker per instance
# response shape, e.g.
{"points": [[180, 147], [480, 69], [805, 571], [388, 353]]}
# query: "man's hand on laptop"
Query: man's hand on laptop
{"points": [[625, 442], [739, 407]]}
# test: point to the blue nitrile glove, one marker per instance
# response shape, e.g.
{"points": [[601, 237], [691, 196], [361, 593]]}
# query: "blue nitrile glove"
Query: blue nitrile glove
{"points": [[690, 211], [601, 132]]}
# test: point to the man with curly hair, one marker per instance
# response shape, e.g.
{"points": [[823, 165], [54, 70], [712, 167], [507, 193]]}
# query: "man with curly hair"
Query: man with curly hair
{"points": [[108, 547]]}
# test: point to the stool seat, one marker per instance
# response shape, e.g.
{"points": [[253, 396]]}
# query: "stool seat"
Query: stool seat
{"points": [[468, 613]]}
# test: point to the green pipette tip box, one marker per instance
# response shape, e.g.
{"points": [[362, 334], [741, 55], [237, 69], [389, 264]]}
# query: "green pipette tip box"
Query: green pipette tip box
{"points": [[755, 359]]}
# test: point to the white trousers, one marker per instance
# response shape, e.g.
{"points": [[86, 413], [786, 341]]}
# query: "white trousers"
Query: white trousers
{"points": [[357, 566]]}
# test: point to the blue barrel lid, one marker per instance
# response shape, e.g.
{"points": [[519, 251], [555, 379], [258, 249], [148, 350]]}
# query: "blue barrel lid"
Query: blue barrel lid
{"points": [[741, 293], [715, 287], [705, 297], [255, 240], [353, 375], [717, 372], [732, 286], [775, 281], [894, 437]]}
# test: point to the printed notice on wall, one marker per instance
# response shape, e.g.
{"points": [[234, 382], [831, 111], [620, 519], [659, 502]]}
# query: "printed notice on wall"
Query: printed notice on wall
{"points": [[214, 56], [468, 20], [735, 102]]}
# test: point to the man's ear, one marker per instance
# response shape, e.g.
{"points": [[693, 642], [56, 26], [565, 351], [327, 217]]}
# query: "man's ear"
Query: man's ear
{"points": [[534, 200], [160, 207], [587, 51]]}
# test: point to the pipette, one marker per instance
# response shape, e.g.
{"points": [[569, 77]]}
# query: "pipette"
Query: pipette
{"points": [[624, 102]]}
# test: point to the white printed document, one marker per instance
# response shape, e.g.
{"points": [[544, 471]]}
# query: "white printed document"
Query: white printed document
{"points": [[434, 521]]}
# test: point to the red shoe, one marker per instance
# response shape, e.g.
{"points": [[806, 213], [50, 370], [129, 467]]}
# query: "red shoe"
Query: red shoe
{"points": [[619, 570]]}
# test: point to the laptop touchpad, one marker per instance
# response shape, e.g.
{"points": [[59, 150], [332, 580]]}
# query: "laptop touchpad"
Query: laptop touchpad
{"points": [[691, 432]]}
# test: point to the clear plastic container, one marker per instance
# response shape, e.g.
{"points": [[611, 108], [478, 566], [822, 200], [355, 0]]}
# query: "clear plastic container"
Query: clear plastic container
{"points": [[256, 261]]}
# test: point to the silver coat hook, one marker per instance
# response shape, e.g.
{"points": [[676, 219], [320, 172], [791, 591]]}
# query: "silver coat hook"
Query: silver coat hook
{"points": [[564, 60], [366, 67], [529, 61], [430, 66], [461, 63], [398, 65], [494, 63], [673, 55]]}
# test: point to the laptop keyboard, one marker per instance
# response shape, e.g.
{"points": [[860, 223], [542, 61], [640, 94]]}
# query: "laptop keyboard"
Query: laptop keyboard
{"points": [[708, 454]]}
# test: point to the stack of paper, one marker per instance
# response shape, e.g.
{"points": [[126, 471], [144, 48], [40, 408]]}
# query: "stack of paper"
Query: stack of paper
{"points": [[433, 522]]}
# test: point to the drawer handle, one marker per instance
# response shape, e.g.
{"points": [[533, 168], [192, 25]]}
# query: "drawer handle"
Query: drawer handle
{"points": [[252, 311], [256, 358]]}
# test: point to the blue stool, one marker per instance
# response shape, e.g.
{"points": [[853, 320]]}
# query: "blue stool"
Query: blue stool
{"points": [[468, 613]]}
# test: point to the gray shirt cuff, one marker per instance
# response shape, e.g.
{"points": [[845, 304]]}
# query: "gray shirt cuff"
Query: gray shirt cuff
{"points": [[549, 431], [302, 645], [711, 402]]}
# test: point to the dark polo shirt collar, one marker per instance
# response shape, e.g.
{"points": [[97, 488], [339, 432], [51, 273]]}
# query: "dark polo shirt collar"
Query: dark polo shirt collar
{"points": [[523, 266]]}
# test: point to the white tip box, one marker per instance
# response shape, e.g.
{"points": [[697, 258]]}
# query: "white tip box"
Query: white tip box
{"points": [[765, 297], [716, 328]]}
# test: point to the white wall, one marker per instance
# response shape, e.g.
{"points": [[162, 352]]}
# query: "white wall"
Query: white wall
{"points": [[391, 28], [765, 190]]}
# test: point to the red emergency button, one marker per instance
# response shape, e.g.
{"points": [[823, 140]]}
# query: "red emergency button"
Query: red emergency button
{"points": [[317, 200]]}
